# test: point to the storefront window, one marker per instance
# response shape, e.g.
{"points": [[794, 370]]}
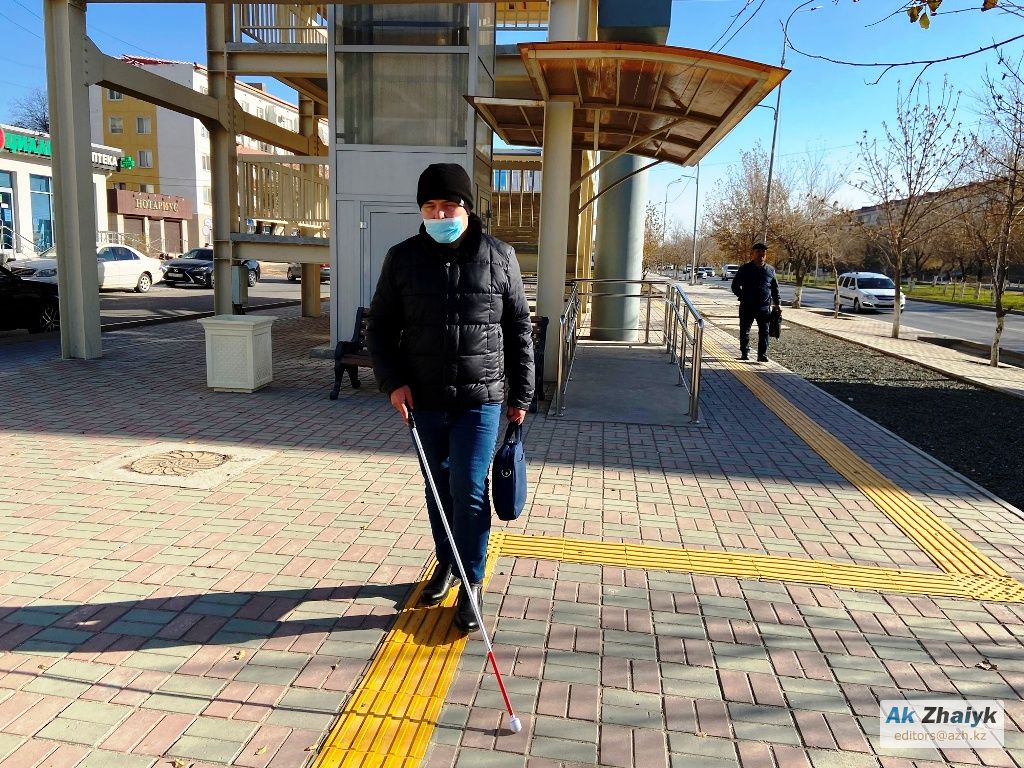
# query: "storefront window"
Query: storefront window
{"points": [[412, 99], [42, 211]]}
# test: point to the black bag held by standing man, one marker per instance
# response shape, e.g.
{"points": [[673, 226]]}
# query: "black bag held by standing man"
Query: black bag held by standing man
{"points": [[508, 475], [775, 323]]}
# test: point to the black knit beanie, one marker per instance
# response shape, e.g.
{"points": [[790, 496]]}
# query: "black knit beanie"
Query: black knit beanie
{"points": [[445, 181]]}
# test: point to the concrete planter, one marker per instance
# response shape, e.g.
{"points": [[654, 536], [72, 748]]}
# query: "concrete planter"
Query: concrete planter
{"points": [[238, 352]]}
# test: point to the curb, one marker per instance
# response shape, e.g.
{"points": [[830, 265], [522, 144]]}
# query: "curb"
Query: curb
{"points": [[128, 324], [910, 297]]}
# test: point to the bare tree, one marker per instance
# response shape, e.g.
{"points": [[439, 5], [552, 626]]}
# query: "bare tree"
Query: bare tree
{"points": [[919, 157], [803, 230], [735, 217], [1000, 157], [654, 239], [31, 111]]}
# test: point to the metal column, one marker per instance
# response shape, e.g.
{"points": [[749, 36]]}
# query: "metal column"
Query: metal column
{"points": [[619, 251], [223, 153], [553, 242], [74, 198]]}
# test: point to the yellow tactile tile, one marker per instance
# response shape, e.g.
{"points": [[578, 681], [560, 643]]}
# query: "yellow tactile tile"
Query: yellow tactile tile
{"points": [[947, 548], [768, 567], [389, 720]]}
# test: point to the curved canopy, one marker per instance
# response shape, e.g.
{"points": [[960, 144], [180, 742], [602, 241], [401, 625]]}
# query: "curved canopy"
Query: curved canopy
{"points": [[656, 101]]}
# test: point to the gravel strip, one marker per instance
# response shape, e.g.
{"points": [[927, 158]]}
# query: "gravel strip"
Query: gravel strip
{"points": [[974, 430]]}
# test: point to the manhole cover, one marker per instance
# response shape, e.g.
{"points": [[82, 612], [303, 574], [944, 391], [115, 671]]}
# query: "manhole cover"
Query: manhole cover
{"points": [[178, 463]]}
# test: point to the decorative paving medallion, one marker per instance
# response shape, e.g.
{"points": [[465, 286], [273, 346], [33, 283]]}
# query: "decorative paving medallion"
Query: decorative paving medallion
{"points": [[178, 463], [182, 465]]}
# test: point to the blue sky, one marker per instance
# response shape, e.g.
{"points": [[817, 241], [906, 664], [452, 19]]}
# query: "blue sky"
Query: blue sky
{"points": [[825, 107]]}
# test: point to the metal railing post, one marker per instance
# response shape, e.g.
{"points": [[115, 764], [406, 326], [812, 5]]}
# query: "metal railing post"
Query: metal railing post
{"points": [[647, 329], [698, 349]]}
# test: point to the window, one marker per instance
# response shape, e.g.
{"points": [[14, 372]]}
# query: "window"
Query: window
{"points": [[393, 82], [206, 195], [143, 125], [206, 162], [113, 95], [106, 254], [123, 254], [145, 158], [151, 188], [203, 132], [41, 189], [204, 90], [116, 124], [426, 24], [119, 185]]}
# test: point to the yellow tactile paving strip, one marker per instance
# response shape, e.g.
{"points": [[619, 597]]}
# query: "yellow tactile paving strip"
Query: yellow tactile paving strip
{"points": [[767, 567], [947, 548], [389, 720]]}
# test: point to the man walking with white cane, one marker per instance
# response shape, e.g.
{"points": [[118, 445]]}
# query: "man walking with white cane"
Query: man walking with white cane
{"points": [[450, 336]]}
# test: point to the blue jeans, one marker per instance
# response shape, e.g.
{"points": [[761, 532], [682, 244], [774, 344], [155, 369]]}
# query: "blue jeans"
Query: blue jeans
{"points": [[459, 446]]}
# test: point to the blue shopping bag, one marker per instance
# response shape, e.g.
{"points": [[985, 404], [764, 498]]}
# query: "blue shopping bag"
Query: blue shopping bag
{"points": [[508, 475]]}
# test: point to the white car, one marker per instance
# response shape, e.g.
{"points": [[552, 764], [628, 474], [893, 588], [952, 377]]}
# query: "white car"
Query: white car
{"points": [[868, 290], [729, 271], [119, 266]]}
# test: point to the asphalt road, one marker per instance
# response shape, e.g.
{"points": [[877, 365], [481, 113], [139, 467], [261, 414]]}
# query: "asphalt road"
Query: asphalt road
{"points": [[160, 302], [944, 320]]}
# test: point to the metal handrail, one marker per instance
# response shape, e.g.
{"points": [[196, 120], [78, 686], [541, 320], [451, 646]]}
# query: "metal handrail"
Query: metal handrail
{"points": [[17, 236], [680, 312], [568, 330]]}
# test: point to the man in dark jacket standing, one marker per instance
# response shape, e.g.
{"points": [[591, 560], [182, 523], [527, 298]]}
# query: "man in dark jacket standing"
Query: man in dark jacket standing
{"points": [[758, 291], [449, 332]]}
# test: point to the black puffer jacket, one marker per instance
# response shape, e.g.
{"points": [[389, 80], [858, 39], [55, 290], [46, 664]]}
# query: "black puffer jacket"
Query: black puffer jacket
{"points": [[452, 324]]}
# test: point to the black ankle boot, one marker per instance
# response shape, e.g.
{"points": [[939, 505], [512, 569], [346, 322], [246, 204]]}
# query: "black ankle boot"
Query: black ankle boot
{"points": [[438, 586], [465, 619]]}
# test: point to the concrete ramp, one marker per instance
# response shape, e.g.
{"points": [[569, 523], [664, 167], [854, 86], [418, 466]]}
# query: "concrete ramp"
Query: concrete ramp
{"points": [[629, 384]]}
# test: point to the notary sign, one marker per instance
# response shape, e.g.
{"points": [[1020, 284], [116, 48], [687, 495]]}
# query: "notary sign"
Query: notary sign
{"points": [[941, 723]]}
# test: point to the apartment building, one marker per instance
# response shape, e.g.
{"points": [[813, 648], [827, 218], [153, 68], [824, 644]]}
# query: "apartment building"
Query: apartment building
{"points": [[169, 209]]}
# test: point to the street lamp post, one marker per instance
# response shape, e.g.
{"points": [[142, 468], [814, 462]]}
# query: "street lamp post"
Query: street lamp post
{"points": [[775, 126], [664, 218]]}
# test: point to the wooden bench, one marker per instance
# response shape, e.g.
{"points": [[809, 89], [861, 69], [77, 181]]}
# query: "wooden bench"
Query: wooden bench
{"points": [[350, 356]]}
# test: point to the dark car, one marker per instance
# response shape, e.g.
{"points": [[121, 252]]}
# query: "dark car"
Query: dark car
{"points": [[196, 268], [27, 304]]}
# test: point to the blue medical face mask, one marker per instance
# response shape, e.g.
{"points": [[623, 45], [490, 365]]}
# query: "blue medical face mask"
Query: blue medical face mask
{"points": [[445, 231]]}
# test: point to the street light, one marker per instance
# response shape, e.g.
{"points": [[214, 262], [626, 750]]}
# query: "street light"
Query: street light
{"points": [[664, 218], [778, 105]]}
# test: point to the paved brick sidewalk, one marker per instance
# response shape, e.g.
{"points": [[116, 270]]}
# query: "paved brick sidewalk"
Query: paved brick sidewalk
{"points": [[143, 624]]}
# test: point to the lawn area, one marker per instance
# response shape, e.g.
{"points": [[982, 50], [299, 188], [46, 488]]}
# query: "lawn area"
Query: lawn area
{"points": [[949, 292]]}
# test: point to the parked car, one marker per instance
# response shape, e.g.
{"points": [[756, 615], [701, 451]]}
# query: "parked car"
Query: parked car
{"points": [[196, 268], [119, 266], [30, 304], [705, 272], [729, 271], [868, 290], [295, 272]]}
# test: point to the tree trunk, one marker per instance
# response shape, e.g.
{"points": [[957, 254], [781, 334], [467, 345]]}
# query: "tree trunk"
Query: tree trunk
{"points": [[798, 294], [896, 313], [993, 358]]}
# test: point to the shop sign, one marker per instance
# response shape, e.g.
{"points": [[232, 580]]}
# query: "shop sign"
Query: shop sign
{"points": [[130, 203], [40, 146]]}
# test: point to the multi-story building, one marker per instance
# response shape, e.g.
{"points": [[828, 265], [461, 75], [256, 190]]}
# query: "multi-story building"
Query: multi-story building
{"points": [[170, 209], [27, 220]]}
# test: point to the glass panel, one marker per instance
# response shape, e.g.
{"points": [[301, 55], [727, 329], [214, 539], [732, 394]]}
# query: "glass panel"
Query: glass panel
{"points": [[485, 37], [419, 24], [410, 99], [42, 212], [6, 218], [6, 180]]}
